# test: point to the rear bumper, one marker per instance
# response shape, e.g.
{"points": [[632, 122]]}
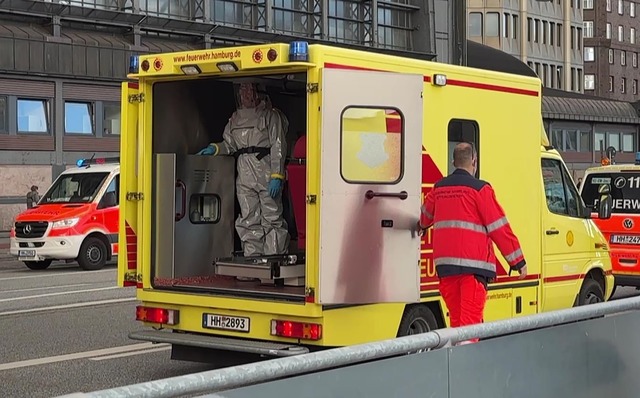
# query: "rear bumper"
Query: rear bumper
{"points": [[627, 280], [220, 343]]}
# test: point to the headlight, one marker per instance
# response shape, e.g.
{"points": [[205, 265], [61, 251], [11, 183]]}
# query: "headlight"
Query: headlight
{"points": [[68, 223]]}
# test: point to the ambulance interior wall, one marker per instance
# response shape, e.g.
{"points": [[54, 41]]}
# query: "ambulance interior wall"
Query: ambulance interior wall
{"points": [[188, 115]]}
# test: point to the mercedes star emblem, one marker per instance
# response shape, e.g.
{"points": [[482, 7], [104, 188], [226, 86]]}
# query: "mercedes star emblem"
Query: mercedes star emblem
{"points": [[628, 223], [27, 229]]}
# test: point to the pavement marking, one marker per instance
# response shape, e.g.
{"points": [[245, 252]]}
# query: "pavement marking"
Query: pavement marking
{"points": [[65, 306], [58, 294], [42, 288], [52, 274], [77, 355], [160, 347]]}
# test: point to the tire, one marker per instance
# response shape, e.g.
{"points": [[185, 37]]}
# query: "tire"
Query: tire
{"points": [[93, 254], [417, 319], [38, 265], [590, 293]]}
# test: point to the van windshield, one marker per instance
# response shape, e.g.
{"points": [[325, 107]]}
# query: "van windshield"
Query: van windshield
{"points": [[74, 188], [625, 190]]}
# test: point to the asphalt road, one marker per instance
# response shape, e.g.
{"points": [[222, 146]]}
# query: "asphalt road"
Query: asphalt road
{"points": [[64, 330]]}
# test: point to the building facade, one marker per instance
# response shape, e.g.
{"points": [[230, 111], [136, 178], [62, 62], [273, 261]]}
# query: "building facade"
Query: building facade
{"points": [[63, 62], [611, 49], [546, 35]]}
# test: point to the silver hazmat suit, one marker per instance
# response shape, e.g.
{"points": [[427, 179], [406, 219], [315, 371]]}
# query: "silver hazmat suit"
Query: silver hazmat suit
{"points": [[260, 225]]}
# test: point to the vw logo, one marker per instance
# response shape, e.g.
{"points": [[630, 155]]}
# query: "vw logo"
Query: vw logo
{"points": [[27, 229], [627, 223]]}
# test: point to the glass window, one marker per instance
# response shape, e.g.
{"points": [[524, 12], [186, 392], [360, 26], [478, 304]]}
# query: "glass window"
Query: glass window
{"points": [[620, 33], [506, 20], [632, 35], [614, 141], [589, 54], [204, 209], [620, 7], [608, 5], [112, 194], [623, 57], [461, 130], [627, 143], [634, 86], [562, 195], [4, 120], [78, 117], [634, 59], [492, 25], [625, 191], [372, 140], [611, 53], [33, 116], [587, 4], [589, 82], [111, 122], [74, 188], [556, 139], [585, 141], [571, 140], [475, 24], [588, 28], [600, 142], [632, 9], [608, 32]]}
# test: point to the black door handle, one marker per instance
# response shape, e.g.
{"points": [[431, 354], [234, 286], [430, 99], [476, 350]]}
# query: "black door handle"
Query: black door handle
{"points": [[402, 195], [552, 232]]}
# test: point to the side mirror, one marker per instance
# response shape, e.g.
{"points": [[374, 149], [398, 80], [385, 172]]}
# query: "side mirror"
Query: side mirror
{"points": [[605, 203]]}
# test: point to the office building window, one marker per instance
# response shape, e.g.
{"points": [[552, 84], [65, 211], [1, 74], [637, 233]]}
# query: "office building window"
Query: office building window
{"points": [[634, 60], [33, 115], [620, 33], [589, 54], [559, 35], [588, 28], [506, 20], [475, 24], [627, 142], [611, 56], [492, 24], [623, 57], [623, 85], [609, 5], [559, 77], [632, 9], [620, 7], [552, 32], [111, 118], [543, 33], [632, 35], [515, 27], [589, 82], [610, 84], [4, 120], [587, 4], [536, 30], [608, 33], [78, 117], [634, 86]]}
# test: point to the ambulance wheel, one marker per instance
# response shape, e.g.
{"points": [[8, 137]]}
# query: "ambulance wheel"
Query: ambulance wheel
{"points": [[93, 254], [590, 292], [38, 265], [417, 319]]}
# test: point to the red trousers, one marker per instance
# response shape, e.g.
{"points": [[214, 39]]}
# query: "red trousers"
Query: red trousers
{"points": [[465, 298]]}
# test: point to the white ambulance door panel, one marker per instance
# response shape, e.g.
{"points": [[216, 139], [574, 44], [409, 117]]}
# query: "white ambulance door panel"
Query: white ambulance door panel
{"points": [[371, 149]]}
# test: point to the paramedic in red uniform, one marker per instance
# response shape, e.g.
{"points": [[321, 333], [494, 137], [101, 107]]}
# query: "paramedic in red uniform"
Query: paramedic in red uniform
{"points": [[466, 218]]}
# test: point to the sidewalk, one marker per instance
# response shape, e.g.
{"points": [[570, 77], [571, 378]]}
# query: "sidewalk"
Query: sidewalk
{"points": [[4, 246]]}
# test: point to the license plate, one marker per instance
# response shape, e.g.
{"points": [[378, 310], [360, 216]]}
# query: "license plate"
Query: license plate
{"points": [[214, 321], [626, 239], [26, 253]]}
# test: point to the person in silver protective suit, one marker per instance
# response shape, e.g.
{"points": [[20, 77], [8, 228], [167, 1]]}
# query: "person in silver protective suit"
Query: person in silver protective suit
{"points": [[256, 136]]}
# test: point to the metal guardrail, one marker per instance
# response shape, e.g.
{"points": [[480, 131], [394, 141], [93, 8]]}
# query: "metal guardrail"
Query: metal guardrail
{"points": [[250, 374]]}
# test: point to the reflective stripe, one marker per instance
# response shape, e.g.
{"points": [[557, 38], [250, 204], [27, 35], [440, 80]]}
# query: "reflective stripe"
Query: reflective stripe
{"points": [[465, 262], [460, 224], [425, 212], [496, 224], [513, 256]]}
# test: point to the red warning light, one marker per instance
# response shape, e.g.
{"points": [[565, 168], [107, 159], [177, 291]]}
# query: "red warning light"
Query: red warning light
{"points": [[272, 54], [145, 65]]}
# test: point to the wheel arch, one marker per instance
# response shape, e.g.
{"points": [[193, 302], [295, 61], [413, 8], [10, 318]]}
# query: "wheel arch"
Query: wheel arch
{"points": [[100, 235]]}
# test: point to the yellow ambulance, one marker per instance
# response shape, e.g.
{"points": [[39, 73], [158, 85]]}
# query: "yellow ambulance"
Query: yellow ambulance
{"points": [[369, 134]]}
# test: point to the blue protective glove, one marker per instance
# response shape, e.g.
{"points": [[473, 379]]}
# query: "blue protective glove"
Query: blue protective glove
{"points": [[209, 150], [275, 185]]}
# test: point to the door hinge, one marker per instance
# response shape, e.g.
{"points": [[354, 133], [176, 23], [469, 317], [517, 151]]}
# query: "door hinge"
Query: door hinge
{"points": [[136, 98], [311, 199], [133, 196], [312, 87]]}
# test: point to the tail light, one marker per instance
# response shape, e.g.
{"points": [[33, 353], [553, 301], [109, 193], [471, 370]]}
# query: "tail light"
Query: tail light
{"points": [[297, 330], [157, 315]]}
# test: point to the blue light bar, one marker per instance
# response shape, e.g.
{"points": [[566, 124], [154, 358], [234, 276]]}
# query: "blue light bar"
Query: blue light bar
{"points": [[133, 64], [299, 51], [87, 162]]}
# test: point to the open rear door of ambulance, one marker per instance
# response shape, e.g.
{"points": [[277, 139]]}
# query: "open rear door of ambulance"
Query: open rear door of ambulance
{"points": [[128, 274], [371, 149]]}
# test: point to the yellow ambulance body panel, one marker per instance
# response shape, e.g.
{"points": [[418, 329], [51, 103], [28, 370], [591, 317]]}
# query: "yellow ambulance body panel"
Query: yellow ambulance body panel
{"points": [[379, 133]]}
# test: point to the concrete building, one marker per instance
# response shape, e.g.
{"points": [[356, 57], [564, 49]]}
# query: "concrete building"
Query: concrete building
{"points": [[611, 49], [546, 35], [62, 62]]}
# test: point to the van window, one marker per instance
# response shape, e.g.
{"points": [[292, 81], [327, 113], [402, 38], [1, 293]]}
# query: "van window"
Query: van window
{"points": [[625, 190], [462, 130], [371, 145], [114, 187], [562, 195]]}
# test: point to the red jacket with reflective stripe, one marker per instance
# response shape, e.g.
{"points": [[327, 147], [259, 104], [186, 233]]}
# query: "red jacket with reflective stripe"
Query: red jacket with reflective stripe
{"points": [[466, 219]]}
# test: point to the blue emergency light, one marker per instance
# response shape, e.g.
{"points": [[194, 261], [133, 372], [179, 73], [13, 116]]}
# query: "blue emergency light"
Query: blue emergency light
{"points": [[637, 157], [133, 64], [92, 160], [299, 51]]}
